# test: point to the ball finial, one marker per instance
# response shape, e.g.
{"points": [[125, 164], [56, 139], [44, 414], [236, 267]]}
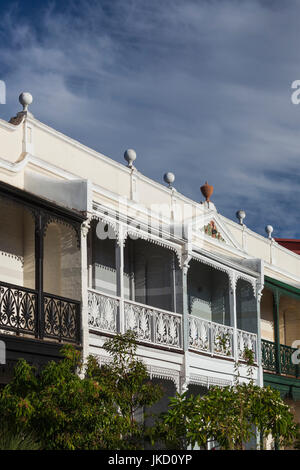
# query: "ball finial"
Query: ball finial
{"points": [[130, 157], [25, 99], [169, 178], [269, 230], [241, 215]]}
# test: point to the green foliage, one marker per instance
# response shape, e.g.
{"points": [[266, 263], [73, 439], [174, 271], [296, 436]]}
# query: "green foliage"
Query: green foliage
{"points": [[10, 440], [67, 411], [126, 381], [230, 415]]}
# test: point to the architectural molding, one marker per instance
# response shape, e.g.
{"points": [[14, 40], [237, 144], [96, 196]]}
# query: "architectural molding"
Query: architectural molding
{"points": [[207, 381], [153, 371], [165, 373]]}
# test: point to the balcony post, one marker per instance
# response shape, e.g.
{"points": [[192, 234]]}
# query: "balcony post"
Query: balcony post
{"points": [[259, 290], [173, 283], [276, 301], [39, 261], [233, 316], [84, 288], [120, 242], [185, 319]]}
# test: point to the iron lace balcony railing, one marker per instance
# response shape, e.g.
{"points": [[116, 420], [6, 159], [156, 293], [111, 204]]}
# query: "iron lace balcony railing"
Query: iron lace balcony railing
{"points": [[151, 325], [218, 340], [19, 314], [270, 361], [163, 328]]}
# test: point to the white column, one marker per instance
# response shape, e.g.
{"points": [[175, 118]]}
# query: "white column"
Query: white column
{"points": [[173, 283], [84, 289], [259, 289], [185, 322], [233, 314], [120, 276]]}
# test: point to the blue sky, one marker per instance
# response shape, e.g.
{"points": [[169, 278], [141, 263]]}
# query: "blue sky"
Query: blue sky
{"points": [[200, 88]]}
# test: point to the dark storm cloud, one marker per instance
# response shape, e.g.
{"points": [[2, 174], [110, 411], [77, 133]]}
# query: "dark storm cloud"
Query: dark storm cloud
{"points": [[200, 88]]}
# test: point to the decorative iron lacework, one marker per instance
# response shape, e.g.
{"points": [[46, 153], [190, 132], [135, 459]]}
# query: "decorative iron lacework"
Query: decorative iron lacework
{"points": [[153, 326], [246, 340], [153, 371], [210, 337], [18, 311], [48, 219], [102, 312], [211, 230], [268, 355], [269, 360], [62, 318], [197, 379], [287, 367], [165, 373]]}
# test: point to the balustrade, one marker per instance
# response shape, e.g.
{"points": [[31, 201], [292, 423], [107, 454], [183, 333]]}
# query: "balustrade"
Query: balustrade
{"points": [[270, 362], [58, 319], [162, 328]]}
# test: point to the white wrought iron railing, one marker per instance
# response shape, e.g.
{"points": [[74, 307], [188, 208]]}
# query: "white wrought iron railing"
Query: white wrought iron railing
{"points": [[246, 340], [160, 327], [153, 325], [103, 311], [210, 337]]}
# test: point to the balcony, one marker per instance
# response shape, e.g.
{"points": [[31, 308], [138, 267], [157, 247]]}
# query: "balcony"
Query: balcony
{"points": [[161, 328], [281, 363], [40, 273], [58, 318], [151, 325], [138, 285], [218, 340]]}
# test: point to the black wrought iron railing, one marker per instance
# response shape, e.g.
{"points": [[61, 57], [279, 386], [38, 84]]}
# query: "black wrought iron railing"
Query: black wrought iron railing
{"points": [[280, 362], [61, 318], [57, 318]]}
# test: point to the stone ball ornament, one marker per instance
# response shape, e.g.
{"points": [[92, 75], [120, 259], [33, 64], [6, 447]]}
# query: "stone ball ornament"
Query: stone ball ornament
{"points": [[269, 230], [169, 178], [130, 157], [241, 214], [25, 99]]}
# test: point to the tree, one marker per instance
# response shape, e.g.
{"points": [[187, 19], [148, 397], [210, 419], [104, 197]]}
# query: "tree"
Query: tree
{"points": [[125, 379], [230, 415], [62, 410]]}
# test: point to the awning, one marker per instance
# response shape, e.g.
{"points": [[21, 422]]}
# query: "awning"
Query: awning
{"points": [[282, 287]]}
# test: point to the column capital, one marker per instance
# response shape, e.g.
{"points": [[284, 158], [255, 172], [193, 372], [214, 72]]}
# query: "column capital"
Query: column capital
{"points": [[185, 261], [85, 226], [259, 290], [121, 236], [232, 279]]}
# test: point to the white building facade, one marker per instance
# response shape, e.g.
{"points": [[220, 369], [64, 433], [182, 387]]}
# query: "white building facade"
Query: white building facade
{"points": [[139, 255]]}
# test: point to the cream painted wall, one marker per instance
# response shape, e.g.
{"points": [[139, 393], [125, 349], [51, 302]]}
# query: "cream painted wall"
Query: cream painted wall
{"points": [[11, 141], [289, 320], [16, 245], [29, 249], [266, 313], [62, 270]]}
